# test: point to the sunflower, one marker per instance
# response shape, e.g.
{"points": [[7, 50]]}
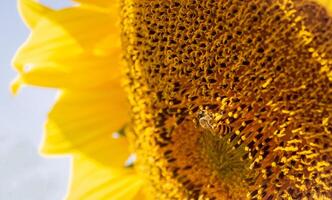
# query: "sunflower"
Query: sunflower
{"points": [[186, 99]]}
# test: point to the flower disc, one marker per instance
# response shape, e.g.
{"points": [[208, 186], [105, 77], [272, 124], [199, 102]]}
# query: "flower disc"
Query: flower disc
{"points": [[231, 99]]}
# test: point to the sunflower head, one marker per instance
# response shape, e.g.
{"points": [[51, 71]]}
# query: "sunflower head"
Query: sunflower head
{"points": [[230, 99]]}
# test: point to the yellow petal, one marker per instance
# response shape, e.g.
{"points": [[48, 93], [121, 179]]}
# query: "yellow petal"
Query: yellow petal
{"points": [[92, 180], [143, 194], [32, 12], [81, 119], [98, 2], [16, 85], [81, 72], [65, 35], [103, 48]]}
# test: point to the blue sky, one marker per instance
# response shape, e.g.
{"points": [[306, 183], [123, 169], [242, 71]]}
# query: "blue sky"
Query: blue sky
{"points": [[24, 173]]}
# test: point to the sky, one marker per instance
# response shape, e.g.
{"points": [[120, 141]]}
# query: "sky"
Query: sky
{"points": [[24, 174]]}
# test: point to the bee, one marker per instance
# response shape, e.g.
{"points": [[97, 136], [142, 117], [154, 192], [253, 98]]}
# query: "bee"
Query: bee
{"points": [[207, 122]]}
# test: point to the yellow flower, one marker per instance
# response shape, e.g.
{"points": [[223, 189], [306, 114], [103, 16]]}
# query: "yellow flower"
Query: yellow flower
{"points": [[228, 99]]}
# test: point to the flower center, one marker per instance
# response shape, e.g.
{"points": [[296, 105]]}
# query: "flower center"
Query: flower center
{"points": [[223, 150], [230, 99]]}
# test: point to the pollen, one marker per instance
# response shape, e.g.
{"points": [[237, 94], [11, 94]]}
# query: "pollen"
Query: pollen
{"points": [[230, 99]]}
